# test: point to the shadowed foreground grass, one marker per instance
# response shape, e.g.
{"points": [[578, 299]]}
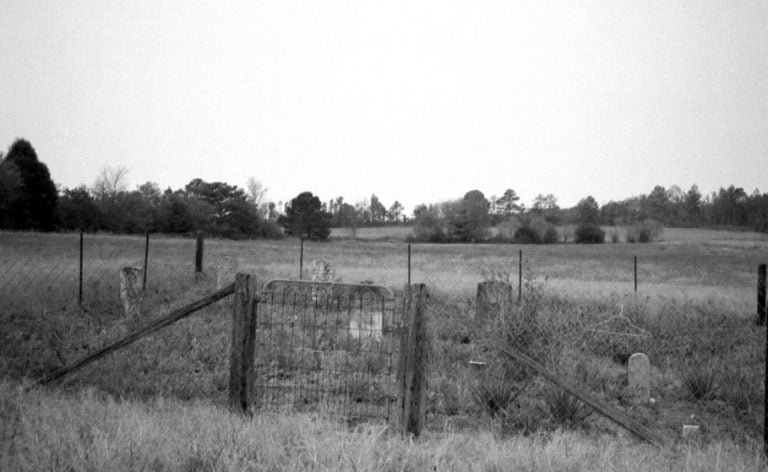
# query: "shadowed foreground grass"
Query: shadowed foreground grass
{"points": [[43, 430]]}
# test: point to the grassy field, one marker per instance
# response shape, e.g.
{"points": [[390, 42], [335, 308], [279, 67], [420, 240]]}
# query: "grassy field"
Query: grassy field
{"points": [[696, 297], [90, 431]]}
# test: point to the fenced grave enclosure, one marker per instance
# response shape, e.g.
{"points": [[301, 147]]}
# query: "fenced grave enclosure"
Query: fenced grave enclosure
{"points": [[342, 349], [331, 346]]}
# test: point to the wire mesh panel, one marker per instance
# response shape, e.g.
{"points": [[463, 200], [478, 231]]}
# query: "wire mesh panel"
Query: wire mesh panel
{"points": [[326, 346]]}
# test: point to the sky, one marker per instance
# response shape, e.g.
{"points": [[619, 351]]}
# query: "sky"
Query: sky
{"points": [[415, 101]]}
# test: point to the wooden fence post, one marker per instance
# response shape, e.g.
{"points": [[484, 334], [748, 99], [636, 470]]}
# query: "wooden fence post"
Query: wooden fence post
{"points": [[241, 362], [413, 361]]}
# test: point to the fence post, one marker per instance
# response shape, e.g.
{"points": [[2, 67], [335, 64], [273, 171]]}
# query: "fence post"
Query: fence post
{"points": [[80, 279], [301, 259], [409, 263], [761, 307], [199, 254], [412, 375], [146, 259], [241, 362], [635, 274], [520, 276]]}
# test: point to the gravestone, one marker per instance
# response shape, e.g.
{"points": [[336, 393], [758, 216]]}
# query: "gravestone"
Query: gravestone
{"points": [[366, 324], [226, 268], [321, 272], [131, 292], [493, 300], [639, 375]]}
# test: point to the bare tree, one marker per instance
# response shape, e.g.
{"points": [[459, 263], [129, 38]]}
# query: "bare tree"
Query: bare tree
{"points": [[110, 182], [256, 191]]}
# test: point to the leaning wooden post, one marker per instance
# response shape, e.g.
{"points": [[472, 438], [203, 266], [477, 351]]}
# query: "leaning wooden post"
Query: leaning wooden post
{"points": [[241, 362], [413, 361], [761, 307]]}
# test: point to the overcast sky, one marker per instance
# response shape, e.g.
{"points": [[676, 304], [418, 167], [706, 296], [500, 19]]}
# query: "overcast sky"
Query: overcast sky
{"points": [[418, 101]]}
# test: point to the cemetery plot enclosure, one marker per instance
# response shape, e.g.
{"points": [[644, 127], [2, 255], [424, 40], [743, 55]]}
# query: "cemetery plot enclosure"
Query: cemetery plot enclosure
{"points": [[327, 345]]}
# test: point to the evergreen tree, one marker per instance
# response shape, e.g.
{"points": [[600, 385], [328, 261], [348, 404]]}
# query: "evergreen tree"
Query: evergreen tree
{"points": [[35, 205]]}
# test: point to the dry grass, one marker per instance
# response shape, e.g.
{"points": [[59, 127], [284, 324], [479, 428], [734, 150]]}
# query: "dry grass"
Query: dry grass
{"points": [[87, 431]]}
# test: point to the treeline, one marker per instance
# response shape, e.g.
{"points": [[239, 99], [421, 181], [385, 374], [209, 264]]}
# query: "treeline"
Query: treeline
{"points": [[730, 206], [474, 218], [29, 200]]}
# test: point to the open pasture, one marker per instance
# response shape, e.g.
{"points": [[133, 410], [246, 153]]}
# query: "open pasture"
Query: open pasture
{"points": [[41, 270]]}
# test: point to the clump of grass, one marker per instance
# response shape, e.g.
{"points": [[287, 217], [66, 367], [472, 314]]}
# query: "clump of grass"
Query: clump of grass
{"points": [[699, 381], [496, 393], [740, 390], [565, 409]]}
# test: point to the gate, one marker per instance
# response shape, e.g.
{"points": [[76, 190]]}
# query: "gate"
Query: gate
{"points": [[327, 346]]}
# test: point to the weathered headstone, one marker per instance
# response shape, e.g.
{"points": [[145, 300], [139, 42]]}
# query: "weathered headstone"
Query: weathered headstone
{"points": [[639, 375], [131, 292], [321, 272], [366, 324], [226, 268], [493, 300]]}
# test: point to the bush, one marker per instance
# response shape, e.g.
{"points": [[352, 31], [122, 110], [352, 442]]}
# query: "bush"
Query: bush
{"points": [[644, 232], [589, 234], [526, 235], [550, 235]]}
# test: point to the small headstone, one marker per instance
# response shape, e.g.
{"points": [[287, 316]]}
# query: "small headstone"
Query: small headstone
{"points": [[690, 431], [131, 292], [639, 375], [225, 271], [493, 300]]}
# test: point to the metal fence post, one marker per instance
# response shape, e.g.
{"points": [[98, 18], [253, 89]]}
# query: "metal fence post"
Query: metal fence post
{"points": [[146, 260], [80, 278], [520, 276], [761, 307], [301, 259], [409, 263], [199, 254], [635, 274]]}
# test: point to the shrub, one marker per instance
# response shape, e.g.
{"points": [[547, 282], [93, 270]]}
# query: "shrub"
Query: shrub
{"points": [[589, 234], [550, 235], [645, 232], [527, 235]]}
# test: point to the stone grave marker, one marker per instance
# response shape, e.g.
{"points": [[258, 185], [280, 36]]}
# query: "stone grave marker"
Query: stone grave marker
{"points": [[493, 300], [131, 292], [639, 375]]}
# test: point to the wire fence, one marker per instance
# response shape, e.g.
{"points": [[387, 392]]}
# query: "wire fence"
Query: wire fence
{"points": [[333, 346], [581, 312]]}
